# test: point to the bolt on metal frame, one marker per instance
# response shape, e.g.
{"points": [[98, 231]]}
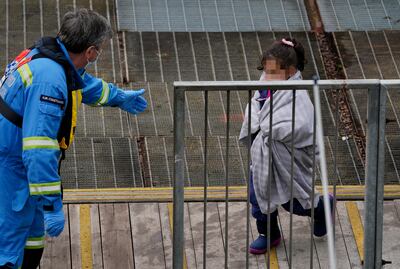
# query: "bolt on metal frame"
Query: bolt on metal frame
{"points": [[374, 169]]}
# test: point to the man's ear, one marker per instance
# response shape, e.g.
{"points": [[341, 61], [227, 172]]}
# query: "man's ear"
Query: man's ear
{"points": [[89, 52]]}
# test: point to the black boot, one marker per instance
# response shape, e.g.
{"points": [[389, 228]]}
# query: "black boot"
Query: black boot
{"points": [[32, 258]]}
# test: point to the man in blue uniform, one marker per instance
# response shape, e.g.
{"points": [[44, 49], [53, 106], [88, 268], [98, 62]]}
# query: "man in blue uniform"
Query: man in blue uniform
{"points": [[40, 95]]}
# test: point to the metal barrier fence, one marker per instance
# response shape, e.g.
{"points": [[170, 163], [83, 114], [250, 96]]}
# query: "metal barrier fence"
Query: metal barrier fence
{"points": [[374, 160]]}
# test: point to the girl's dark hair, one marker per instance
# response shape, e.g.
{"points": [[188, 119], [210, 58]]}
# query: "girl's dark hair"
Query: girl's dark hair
{"points": [[283, 51]]}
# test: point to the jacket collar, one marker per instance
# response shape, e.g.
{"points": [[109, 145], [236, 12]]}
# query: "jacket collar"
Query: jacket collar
{"points": [[296, 76], [53, 48], [77, 81]]}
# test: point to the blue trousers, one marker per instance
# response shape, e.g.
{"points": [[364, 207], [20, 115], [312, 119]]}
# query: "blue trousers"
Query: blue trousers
{"points": [[262, 219], [21, 215]]}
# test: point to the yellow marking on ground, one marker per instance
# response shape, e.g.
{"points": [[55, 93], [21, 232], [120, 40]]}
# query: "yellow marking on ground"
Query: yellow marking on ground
{"points": [[274, 264], [357, 227], [86, 237], [216, 193], [154, 189], [171, 225]]}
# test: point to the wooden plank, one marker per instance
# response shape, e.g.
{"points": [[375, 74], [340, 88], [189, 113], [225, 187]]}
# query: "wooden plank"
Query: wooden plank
{"points": [[347, 236], [281, 250], [301, 240], [85, 236], [75, 236], [116, 236], [166, 234], [237, 236], [97, 253], [397, 206], [215, 247], [391, 233], [57, 251], [146, 236]]}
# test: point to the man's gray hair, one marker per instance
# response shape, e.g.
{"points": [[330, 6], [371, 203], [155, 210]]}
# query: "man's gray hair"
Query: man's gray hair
{"points": [[83, 28]]}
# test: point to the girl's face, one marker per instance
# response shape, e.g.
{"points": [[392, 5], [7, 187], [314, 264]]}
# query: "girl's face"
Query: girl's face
{"points": [[274, 71]]}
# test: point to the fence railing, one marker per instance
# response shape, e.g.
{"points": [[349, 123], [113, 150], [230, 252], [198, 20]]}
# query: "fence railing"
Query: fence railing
{"points": [[374, 159]]}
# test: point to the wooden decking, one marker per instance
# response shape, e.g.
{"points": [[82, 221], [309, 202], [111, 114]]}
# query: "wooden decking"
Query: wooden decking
{"points": [[138, 235]]}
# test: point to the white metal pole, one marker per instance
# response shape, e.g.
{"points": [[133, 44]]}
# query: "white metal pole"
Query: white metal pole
{"points": [[324, 176]]}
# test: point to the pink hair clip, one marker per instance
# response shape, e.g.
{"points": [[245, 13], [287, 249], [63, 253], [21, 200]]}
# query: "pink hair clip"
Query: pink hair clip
{"points": [[287, 42]]}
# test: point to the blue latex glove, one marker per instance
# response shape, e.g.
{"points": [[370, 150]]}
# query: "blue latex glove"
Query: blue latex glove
{"points": [[133, 102], [54, 222]]}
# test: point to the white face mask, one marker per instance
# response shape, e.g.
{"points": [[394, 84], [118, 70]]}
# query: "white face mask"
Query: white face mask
{"points": [[89, 63]]}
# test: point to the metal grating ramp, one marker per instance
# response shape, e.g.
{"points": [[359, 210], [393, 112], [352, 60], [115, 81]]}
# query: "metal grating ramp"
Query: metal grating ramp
{"points": [[343, 15], [211, 15]]}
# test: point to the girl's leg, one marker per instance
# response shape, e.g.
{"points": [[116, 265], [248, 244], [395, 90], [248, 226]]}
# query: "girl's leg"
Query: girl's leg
{"points": [[298, 208], [261, 218], [319, 214], [260, 245]]}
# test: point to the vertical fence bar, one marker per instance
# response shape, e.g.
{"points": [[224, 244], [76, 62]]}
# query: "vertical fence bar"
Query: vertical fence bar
{"points": [[248, 180], [335, 160], [324, 176], [374, 177], [205, 174], [313, 191], [381, 174], [228, 112], [292, 178], [179, 146], [271, 114]]}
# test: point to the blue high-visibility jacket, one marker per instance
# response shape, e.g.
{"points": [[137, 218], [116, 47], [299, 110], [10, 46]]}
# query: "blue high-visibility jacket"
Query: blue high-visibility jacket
{"points": [[38, 92]]}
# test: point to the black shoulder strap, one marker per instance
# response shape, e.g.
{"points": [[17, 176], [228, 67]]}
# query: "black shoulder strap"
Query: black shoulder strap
{"points": [[10, 114]]}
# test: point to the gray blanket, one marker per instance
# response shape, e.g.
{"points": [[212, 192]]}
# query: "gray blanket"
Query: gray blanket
{"points": [[282, 137]]}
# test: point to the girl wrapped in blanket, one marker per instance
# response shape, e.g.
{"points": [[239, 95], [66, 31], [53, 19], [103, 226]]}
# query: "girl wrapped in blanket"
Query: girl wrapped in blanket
{"points": [[284, 60]]}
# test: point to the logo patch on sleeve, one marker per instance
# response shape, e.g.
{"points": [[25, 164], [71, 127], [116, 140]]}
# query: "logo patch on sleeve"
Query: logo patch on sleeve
{"points": [[52, 100]]}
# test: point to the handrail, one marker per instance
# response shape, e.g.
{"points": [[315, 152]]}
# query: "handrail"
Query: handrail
{"points": [[287, 84]]}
